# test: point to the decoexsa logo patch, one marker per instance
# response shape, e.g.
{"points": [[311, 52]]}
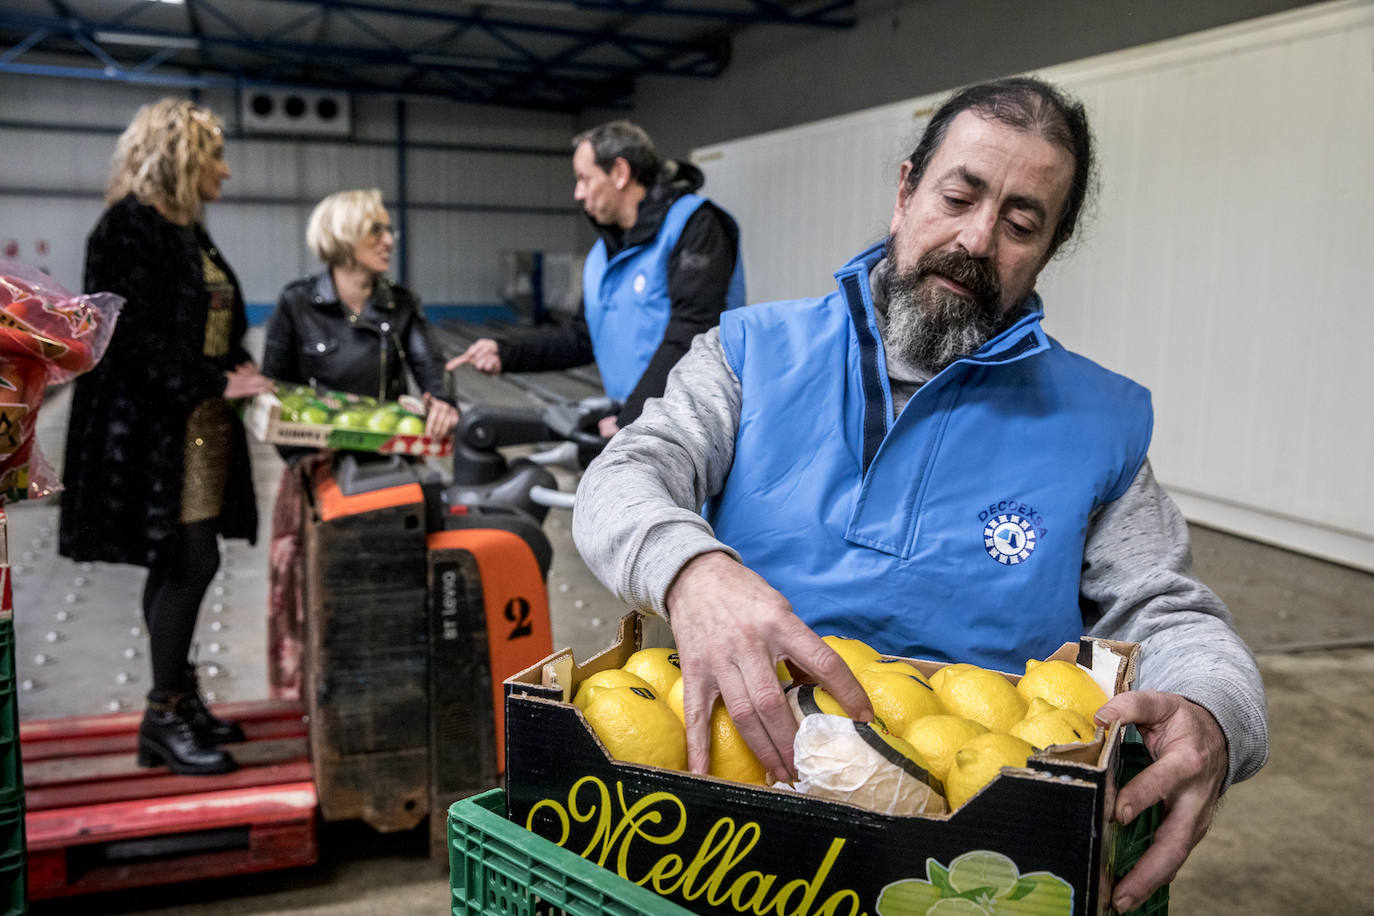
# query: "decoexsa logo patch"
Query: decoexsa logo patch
{"points": [[1011, 529]]}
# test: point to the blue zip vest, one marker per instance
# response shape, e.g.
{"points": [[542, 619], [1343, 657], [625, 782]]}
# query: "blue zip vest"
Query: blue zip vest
{"points": [[954, 532], [627, 302]]}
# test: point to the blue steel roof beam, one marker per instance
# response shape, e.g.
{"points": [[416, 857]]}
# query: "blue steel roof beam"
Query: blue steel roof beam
{"points": [[16, 52], [97, 51], [154, 60], [506, 24]]}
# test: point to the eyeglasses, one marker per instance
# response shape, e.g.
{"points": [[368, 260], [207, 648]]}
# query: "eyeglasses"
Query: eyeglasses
{"points": [[377, 230]]}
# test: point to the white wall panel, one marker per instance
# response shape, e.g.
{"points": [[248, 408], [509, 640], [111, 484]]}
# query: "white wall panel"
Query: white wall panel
{"points": [[1226, 265], [461, 258]]}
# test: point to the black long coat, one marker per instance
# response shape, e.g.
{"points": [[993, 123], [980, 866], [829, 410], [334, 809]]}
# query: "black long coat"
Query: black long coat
{"points": [[126, 436]]}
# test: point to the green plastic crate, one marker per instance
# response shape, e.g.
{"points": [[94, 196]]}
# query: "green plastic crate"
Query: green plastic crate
{"points": [[13, 861], [6, 648], [1133, 839], [497, 868]]}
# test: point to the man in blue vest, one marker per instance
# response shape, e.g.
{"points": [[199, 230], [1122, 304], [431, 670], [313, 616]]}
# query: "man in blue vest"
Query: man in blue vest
{"points": [[667, 264], [913, 461]]}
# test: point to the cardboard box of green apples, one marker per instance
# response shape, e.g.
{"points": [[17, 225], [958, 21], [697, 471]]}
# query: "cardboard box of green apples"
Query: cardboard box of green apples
{"points": [[303, 416]]}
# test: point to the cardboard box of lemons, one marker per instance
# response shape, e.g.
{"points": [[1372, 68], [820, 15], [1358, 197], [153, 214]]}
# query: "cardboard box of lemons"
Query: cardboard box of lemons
{"points": [[731, 757], [637, 727], [1062, 684], [658, 666], [979, 762], [979, 694]]}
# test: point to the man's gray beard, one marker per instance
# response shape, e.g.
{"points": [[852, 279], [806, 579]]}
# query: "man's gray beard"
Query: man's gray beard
{"points": [[930, 327]]}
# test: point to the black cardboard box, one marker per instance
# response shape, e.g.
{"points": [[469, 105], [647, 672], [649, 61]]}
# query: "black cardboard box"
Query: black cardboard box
{"points": [[1036, 840]]}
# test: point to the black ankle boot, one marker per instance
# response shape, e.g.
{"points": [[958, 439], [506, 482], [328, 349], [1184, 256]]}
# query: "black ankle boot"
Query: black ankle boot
{"points": [[208, 727], [166, 737]]}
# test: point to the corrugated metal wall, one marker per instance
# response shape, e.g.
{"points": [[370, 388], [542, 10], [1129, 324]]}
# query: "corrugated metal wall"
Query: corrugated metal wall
{"points": [[478, 180], [1226, 266]]}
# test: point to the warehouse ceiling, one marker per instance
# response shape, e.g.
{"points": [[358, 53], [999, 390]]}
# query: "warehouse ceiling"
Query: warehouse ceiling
{"points": [[559, 55]]}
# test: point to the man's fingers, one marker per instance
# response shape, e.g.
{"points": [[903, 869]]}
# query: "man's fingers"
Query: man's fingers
{"points": [[457, 361], [766, 724], [1135, 706], [824, 664]]}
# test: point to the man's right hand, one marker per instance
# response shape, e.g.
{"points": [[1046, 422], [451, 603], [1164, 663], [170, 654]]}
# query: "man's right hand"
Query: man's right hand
{"points": [[731, 629], [483, 356]]}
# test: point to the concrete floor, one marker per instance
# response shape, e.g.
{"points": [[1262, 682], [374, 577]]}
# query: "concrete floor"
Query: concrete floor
{"points": [[1293, 840]]}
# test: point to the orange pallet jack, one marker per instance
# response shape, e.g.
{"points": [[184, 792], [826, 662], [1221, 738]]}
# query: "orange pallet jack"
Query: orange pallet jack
{"points": [[420, 600]]}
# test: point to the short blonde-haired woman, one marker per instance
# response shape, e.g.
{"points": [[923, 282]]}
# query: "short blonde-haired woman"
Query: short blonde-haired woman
{"points": [[157, 464], [347, 328]]}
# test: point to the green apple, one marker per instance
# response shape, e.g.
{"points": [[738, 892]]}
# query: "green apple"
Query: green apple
{"points": [[382, 421], [312, 414], [410, 425], [350, 419]]}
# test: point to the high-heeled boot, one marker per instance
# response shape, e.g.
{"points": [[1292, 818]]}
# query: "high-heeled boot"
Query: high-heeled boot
{"points": [[210, 728], [165, 737]]}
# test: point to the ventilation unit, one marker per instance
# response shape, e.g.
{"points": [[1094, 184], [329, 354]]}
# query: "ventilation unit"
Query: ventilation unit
{"points": [[296, 111]]}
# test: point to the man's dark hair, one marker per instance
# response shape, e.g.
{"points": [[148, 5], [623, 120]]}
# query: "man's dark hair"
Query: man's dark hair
{"points": [[1029, 105], [622, 140]]}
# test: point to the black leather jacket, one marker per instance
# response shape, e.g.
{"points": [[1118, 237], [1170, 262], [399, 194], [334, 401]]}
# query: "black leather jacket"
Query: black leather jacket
{"points": [[313, 339]]}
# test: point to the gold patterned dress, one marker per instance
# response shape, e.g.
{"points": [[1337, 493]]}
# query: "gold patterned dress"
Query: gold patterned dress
{"points": [[210, 425]]}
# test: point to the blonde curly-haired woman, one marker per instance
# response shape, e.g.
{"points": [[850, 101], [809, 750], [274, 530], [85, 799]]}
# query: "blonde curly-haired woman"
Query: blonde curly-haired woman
{"points": [[156, 466]]}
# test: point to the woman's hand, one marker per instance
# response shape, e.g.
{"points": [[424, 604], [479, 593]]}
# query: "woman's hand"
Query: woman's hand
{"points": [[440, 417], [245, 381]]}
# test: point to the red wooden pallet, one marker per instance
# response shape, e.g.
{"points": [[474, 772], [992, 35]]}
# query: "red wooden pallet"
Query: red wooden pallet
{"points": [[97, 821]]}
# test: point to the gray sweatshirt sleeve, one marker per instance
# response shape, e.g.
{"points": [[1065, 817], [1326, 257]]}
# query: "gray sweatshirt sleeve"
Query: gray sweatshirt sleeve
{"points": [[1138, 583], [636, 520]]}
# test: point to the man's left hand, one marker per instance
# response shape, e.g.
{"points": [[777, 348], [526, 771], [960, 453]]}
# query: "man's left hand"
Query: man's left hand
{"points": [[608, 427], [440, 417], [1189, 768]]}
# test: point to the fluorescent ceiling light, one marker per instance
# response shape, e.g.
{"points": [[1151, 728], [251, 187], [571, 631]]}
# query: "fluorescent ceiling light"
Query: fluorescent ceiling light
{"points": [[145, 40]]}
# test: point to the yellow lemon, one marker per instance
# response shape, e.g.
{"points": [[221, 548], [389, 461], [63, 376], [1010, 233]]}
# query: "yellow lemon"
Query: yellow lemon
{"points": [[659, 667], [731, 757], [984, 696], [898, 699], [896, 664], [939, 676], [784, 673], [938, 737], [1045, 725], [612, 677], [637, 727], [675, 701], [1063, 684], [979, 761], [855, 652]]}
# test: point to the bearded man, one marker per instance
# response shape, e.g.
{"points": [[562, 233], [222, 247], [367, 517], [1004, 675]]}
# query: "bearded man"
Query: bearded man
{"points": [[913, 461]]}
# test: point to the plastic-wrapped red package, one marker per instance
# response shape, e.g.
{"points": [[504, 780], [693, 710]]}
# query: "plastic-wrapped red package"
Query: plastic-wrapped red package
{"points": [[48, 335]]}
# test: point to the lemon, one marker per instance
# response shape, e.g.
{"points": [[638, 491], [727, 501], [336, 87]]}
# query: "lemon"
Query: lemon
{"points": [[855, 652], [898, 699], [938, 678], [784, 673], [896, 664], [979, 761], [731, 757], [1045, 725], [984, 696], [983, 869], [659, 667], [1063, 684], [938, 737], [637, 727], [612, 677]]}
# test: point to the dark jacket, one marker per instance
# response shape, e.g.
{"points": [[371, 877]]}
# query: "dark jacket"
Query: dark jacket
{"points": [[312, 339], [126, 435], [699, 274]]}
